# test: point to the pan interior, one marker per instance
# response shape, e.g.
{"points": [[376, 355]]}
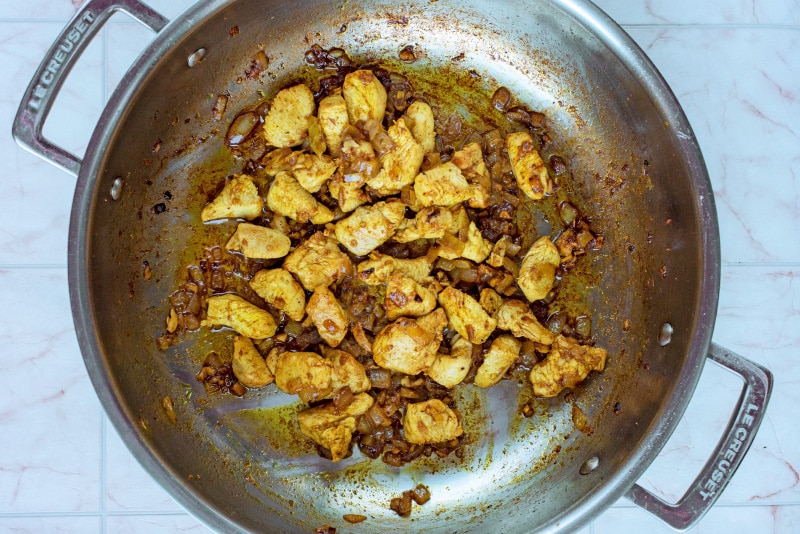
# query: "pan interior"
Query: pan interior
{"points": [[232, 461]]}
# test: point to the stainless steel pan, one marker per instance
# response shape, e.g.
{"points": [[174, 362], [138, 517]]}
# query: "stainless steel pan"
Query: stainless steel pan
{"points": [[637, 171]]}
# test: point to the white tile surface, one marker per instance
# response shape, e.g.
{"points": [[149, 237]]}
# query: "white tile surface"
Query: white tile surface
{"points": [[733, 64]]}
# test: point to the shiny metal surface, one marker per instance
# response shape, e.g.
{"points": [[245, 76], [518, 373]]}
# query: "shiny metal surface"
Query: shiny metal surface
{"points": [[636, 168]]}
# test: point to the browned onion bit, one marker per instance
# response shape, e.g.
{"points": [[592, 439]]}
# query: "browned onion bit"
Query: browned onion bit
{"points": [[501, 99], [241, 128]]}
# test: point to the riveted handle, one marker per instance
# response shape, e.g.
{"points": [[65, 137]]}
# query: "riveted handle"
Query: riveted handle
{"points": [[55, 67], [729, 452]]}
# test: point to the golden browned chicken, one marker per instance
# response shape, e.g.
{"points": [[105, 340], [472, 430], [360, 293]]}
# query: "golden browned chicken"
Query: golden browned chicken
{"points": [[312, 171], [333, 121], [286, 123], [370, 226], [407, 297], [410, 345], [365, 96], [449, 370], [379, 267], [477, 248], [567, 364], [242, 316], [306, 374], [259, 242], [431, 421], [318, 261], [333, 428], [498, 359], [429, 223], [419, 119], [327, 315], [400, 164], [516, 317], [443, 185], [466, 316], [239, 199], [527, 165], [346, 372], [357, 163], [279, 288], [288, 198], [470, 160], [490, 300], [537, 274], [249, 367]]}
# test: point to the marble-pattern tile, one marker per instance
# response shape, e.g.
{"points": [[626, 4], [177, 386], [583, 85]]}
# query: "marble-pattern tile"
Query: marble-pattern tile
{"points": [[154, 524], [52, 524], [692, 12]]}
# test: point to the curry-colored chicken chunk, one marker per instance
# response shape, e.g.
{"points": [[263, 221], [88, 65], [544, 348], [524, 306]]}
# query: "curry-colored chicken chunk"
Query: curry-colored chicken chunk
{"points": [[529, 169], [429, 223], [306, 374], [370, 226], [466, 316], [516, 317], [333, 121], [400, 164], [286, 123], [449, 370], [312, 171], [239, 199], [288, 198], [249, 367], [410, 345], [259, 242], [242, 316], [327, 315], [379, 267], [498, 359], [346, 372], [419, 119], [318, 261], [407, 297], [476, 248], [333, 428], [279, 288], [473, 167], [443, 185], [431, 421], [365, 96], [357, 163], [537, 274], [567, 364]]}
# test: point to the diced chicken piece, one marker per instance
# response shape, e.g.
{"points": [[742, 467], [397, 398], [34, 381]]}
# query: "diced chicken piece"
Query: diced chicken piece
{"points": [[370, 226], [333, 428], [443, 185], [279, 288], [279, 160], [419, 119], [318, 261], [516, 317], [242, 316], [430, 223], [249, 367], [316, 137], [537, 274], [476, 248], [498, 253], [259, 242], [239, 199], [333, 120], [466, 316], [449, 370], [346, 372], [272, 359], [407, 297], [311, 171], [567, 364], [498, 359], [306, 374], [470, 160], [490, 300], [410, 345], [400, 165], [431, 421], [349, 194], [527, 165], [365, 96], [286, 123], [327, 315], [288, 198], [379, 267], [357, 163]]}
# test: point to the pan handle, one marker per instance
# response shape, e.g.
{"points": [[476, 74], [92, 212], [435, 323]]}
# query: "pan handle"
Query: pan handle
{"points": [[53, 71], [727, 455]]}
